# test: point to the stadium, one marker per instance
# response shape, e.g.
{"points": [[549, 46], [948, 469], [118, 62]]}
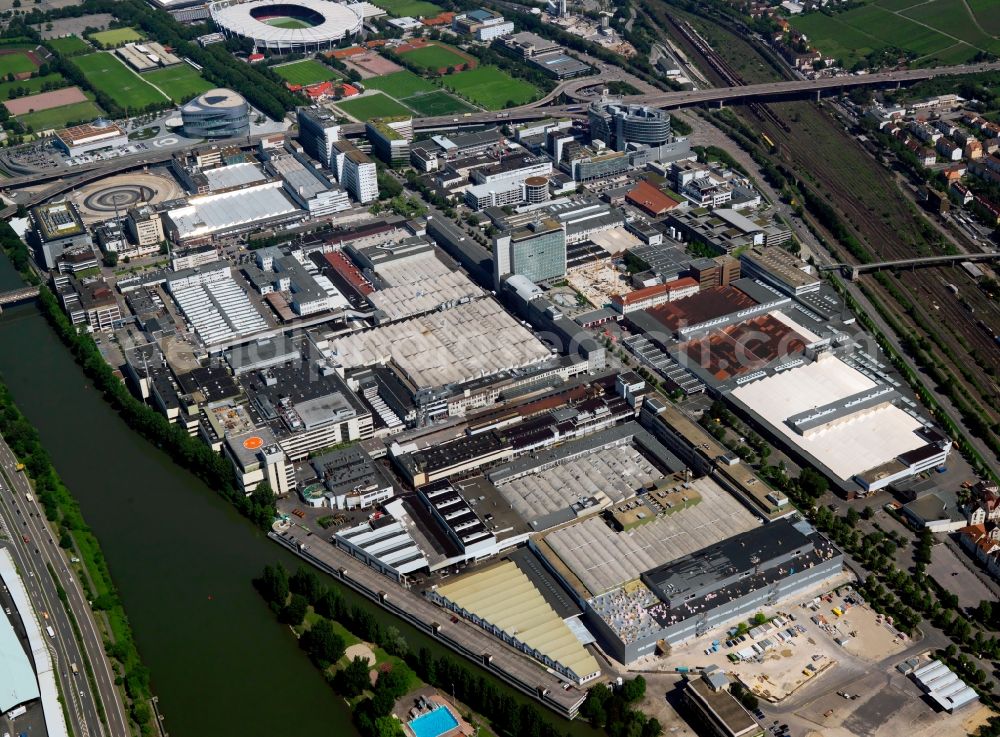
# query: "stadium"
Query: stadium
{"points": [[287, 27]]}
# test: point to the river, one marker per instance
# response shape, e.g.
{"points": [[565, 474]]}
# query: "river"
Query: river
{"points": [[181, 557]]}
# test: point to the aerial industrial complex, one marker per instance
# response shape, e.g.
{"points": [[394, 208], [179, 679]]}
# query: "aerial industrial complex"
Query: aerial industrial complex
{"points": [[508, 350]]}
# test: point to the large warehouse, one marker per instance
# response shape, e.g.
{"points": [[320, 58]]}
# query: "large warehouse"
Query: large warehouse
{"points": [[287, 27]]}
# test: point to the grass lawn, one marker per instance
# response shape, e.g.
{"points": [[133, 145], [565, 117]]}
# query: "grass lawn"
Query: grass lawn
{"points": [[415, 8], [59, 117], [952, 17], [850, 36], [491, 88], [399, 84], [437, 103], [16, 63], [305, 72], [435, 56], [33, 85], [372, 106], [115, 37], [288, 23], [106, 73], [69, 45], [181, 82]]}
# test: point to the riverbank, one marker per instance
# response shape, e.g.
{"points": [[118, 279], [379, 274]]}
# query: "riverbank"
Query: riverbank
{"points": [[63, 512]]}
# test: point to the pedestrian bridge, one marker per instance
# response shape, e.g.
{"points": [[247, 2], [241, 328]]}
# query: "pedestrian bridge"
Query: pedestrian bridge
{"points": [[16, 296], [853, 271]]}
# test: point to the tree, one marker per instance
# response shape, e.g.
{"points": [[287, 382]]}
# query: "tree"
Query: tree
{"points": [[634, 690], [305, 581], [388, 726], [322, 644], [294, 611], [388, 187], [352, 679], [273, 585]]}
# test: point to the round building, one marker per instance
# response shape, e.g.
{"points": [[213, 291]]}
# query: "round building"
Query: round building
{"points": [[287, 27], [536, 189], [218, 113]]}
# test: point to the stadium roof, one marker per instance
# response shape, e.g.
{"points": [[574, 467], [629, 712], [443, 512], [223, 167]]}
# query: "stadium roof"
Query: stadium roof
{"points": [[338, 21]]}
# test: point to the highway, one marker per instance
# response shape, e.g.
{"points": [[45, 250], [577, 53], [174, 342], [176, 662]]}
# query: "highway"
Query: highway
{"points": [[25, 519]]}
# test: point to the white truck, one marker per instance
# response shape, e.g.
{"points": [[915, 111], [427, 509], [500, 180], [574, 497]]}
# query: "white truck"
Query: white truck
{"points": [[52, 632]]}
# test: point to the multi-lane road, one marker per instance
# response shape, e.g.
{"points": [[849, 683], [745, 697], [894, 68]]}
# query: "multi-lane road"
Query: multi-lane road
{"points": [[35, 549]]}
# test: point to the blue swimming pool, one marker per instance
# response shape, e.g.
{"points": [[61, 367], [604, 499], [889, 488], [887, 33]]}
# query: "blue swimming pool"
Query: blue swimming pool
{"points": [[433, 724]]}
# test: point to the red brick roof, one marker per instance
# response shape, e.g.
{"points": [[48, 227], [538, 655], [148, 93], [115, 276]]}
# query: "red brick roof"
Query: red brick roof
{"points": [[650, 199]]}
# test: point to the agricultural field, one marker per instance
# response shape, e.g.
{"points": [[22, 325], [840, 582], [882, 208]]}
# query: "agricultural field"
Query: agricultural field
{"points": [[115, 37], [372, 106], [60, 117], [399, 84], [435, 56], [30, 86], [69, 45], [180, 82], [305, 72], [437, 103], [105, 73], [414, 8], [16, 62], [934, 31], [491, 88]]}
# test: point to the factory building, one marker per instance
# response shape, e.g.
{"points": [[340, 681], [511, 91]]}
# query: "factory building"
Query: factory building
{"points": [[706, 589]]}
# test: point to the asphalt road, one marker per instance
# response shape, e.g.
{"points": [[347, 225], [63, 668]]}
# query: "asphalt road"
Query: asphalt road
{"points": [[25, 518]]}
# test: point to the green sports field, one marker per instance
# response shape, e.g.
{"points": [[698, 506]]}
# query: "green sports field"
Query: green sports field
{"points": [[435, 56], [60, 117], [399, 84], [414, 8], [104, 72], [372, 106], [16, 63], [437, 103], [32, 85], [491, 88], [115, 37], [307, 71], [932, 31], [180, 82], [288, 23], [69, 45]]}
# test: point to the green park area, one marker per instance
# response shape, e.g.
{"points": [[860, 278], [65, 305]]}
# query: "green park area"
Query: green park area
{"points": [[69, 45], [180, 82], [372, 106], [28, 86], [412, 8], [305, 72], [105, 73], [115, 37], [934, 32], [16, 62], [435, 56], [60, 117], [491, 88]]}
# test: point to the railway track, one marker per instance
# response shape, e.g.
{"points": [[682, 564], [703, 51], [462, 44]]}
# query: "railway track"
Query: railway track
{"points": [[973, 344]]}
